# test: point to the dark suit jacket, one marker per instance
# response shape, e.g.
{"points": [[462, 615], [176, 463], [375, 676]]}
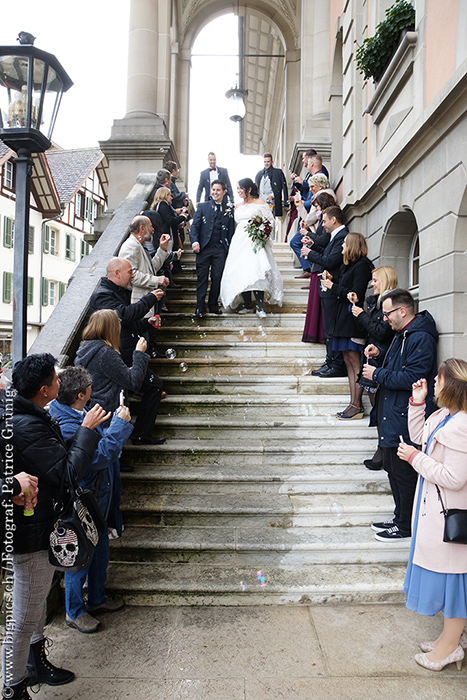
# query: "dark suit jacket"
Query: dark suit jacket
{"points": [[203, 220], [330, 257], [205, 184], [279, 188]]}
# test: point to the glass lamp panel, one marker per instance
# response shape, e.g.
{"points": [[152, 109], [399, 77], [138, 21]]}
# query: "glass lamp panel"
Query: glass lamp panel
{"points": [[14, 71], [51, 100]]}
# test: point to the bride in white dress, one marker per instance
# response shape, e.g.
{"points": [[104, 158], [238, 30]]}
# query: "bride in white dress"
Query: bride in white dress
{"points": [[246, 271]]}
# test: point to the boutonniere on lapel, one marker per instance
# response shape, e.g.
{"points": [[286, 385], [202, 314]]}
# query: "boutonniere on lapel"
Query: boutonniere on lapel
{"points": [[228, 211]]}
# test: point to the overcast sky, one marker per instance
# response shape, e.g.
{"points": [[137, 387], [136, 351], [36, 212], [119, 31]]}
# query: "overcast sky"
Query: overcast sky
{"points": [[90, 39]]}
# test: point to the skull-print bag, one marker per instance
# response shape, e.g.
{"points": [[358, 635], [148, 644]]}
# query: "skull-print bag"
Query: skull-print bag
{"points": [[76, 529]]}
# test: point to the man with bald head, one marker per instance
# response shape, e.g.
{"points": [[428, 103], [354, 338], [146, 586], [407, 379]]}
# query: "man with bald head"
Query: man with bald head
{"points": [[114, 292]]}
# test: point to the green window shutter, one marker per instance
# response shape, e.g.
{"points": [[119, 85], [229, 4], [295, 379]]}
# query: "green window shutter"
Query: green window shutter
{"points": [[31, 240], [45, 292], [8, 228], [61, 289], [30, 291], [7, 279], [46, 241]]}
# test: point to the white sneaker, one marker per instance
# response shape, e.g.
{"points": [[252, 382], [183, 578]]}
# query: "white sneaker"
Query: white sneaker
{"points": [[261, 313]]}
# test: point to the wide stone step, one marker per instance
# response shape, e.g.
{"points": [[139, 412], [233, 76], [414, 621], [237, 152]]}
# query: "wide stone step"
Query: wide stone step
{"points": [[199, 480], [214, 405], [173, 584], [229, 321], [185, 382], [168, 334], [255, 510], [253, 365], [316, 431], [248, 348], [261, 547], [293, 302], [190, 453]]}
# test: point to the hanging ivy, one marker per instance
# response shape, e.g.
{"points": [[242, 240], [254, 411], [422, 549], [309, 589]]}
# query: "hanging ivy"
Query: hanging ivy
{"points": [[375, 53]]}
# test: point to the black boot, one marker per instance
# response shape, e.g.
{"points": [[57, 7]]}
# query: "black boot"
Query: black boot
{"points": [[40, 670], [16, 692]]}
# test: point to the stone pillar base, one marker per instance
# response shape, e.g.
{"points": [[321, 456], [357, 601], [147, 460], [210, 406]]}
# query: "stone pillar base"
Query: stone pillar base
{"points": [[138, 144]]}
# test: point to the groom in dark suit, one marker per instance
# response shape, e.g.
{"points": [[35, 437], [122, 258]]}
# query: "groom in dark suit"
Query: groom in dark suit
{"points": [[211, 231], [272, 185], [208, 176]]}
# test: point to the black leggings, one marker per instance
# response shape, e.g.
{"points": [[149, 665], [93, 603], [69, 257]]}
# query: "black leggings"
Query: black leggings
{"points": [[259, 296]]}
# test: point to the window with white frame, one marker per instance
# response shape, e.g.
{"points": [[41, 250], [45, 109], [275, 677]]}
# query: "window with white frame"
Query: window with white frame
{"points": [[8, 175], [31, 240], [7, 287], [8, 231], [79, 205], [30, 299], [415, 263], [88, 209], [50, 244], [51, 293], [85, 248], [70, 247]]}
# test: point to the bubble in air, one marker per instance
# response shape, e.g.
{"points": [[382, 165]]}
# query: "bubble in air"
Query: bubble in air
{"points": [[261, 579], [330, 420], [242, 585], [302, 366], [170, 354], [183, 366], [336, 508]]}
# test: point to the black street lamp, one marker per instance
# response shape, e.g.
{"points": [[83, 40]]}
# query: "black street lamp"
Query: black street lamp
{"points": [[31, 86]]}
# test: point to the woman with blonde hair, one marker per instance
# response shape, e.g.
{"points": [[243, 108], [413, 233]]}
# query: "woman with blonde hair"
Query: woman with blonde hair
{"points": [[377, 331], [355, 273], [99, 354], [436, 576]]}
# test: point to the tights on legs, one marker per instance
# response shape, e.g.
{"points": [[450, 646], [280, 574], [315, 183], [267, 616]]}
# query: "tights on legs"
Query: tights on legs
{"points": [[259, 297], [352, 362], [448, 640]]}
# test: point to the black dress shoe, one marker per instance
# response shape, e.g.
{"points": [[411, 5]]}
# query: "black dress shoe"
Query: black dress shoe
{"points": [[199, 313], [148, 441], [316, 372], [331, 372], [216, 311], [373, 466]]}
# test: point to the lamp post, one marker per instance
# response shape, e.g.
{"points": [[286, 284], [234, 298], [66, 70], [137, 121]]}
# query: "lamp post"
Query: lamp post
{"points": [[31, 86]]}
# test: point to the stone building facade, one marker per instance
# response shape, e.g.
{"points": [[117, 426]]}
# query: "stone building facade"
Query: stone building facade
{"points": [[397, 150]]}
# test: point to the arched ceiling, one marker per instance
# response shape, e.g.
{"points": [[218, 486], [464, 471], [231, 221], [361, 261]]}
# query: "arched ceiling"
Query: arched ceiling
{"points": [[270, 28]]}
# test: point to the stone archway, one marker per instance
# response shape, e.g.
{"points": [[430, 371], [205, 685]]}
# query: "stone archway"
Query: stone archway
{"points": [[396, 244]]}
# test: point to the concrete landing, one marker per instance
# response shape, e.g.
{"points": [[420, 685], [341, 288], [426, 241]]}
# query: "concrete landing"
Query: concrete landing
{"points": [[346, 652]]}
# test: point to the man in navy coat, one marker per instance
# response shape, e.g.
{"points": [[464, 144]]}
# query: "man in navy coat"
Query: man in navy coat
{"points": [[272, 185], [211, 231], [207, 178]]}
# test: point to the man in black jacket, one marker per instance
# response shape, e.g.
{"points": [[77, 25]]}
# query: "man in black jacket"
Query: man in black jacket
{"points": [[272, 185], [114, 292], [329, 259], [410, 357]]}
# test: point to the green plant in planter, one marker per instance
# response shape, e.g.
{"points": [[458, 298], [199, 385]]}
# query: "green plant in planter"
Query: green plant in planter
{"points": [[375, 53]]}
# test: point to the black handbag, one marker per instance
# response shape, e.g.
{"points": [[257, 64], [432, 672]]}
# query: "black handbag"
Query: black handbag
{"points": [[455, 523], [76, 529]]}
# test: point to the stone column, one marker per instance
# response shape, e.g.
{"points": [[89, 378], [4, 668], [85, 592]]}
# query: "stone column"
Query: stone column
{"points": [[292, 99], [181, 128], [140, 142]]}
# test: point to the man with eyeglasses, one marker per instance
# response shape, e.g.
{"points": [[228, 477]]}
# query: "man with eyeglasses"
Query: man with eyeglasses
{"points": [[410, 357]]}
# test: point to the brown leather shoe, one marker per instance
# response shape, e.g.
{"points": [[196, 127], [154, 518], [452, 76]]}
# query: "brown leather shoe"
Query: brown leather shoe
{"points": [[303, 276]]}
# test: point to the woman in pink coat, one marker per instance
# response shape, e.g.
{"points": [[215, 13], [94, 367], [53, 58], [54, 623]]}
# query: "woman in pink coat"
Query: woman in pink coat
{"points": [[437, 571]]}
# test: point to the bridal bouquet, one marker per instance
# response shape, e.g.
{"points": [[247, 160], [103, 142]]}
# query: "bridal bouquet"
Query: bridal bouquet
{"points": [[259, 230]]}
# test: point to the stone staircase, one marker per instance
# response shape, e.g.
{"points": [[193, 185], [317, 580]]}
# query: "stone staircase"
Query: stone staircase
{"points": [[259, 495]]}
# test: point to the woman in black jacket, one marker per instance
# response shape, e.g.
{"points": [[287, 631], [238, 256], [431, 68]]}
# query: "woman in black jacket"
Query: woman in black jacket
{"points": [[171, 223], [354, 277], [379, 332], [34, 439]]}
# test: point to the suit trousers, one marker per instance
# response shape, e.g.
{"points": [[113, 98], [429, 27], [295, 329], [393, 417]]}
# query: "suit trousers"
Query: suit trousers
{"points": [[328, 307], [296, 245], [212, 257], [149, 406], [403, 481]]}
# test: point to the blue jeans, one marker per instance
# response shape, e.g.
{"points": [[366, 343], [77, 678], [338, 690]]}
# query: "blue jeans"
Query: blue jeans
{"points": [[96, 573], [296, 245]]}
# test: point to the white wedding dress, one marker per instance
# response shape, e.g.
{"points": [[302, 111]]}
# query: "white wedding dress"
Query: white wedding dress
{"points": [[246, 270]]}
